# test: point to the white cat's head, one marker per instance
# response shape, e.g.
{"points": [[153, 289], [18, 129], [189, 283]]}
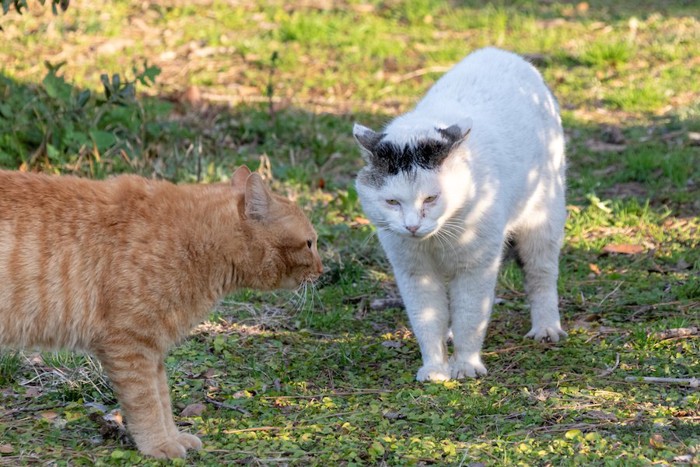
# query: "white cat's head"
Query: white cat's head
{"points": [[413, 182]]}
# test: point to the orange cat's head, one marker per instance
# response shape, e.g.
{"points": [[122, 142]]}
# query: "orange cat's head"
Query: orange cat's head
{"points": [[280, 230]]}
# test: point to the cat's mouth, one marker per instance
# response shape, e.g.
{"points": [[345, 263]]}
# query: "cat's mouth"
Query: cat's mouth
{"points": [[292, 283], [418, 235]]}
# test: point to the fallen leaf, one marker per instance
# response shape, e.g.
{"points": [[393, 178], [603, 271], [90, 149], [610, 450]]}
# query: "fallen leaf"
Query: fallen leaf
{"points": [[594, 269], [192, 95], [361, 220], [36, 359], [193, 410], [656, 441], [6, 449], [601, 415], [114, 416], [623, 249], [49, 415], [111, 424]]}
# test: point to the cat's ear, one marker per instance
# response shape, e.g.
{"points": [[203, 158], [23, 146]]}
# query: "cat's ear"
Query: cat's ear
{"points": [[257, 197], [458, 133], [239, 177], [367, 139]]}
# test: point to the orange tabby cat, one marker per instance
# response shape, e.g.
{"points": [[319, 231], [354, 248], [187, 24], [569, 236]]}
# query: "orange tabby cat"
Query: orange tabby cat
{"points": [[124, 268]]}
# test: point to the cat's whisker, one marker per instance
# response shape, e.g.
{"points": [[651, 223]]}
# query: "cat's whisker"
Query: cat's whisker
{"points": [[445, 242], [300, 297], [365, 242], [450, 234]]}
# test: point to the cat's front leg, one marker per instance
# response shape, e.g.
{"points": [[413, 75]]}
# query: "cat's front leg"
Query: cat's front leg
{"points": [[187, 440], [425, 299], [135, 376], [471, 301]]}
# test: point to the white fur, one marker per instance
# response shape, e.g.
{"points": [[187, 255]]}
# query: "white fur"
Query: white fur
{"points": [[505, 181]]}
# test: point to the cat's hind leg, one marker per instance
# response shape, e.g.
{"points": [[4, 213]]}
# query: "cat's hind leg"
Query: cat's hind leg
{"points": [[538, 249]]}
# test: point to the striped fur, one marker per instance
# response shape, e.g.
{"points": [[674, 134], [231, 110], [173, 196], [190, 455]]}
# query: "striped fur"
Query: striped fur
{"points": [[124, 268]]}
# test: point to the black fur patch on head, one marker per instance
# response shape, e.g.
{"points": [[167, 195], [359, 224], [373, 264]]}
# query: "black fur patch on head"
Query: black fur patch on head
{"points": [[390, 158]]}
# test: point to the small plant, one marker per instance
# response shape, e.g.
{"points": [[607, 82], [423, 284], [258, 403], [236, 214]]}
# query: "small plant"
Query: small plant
{"points": [[270, 88], [607, 54], [58, 127], [10, 363], [22, 4]]}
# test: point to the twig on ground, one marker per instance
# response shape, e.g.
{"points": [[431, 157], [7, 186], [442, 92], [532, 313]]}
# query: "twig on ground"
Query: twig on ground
{"points": [[332, 394], [676, 333], [609, 370], [255, 428], [33, 408], [562, 427], [512, 348], [332, 415], [692, 382], [223, 405], [611, 293], [417, 73]]}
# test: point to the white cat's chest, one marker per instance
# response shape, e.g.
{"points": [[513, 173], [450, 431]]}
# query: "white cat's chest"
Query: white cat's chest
{"points": [[437, 255]]}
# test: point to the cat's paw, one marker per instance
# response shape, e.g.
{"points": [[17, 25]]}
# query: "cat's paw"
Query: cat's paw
{"points": [[189, 441], [433, 373], [169, 449], [547, 333], [471, 368], [176, 445]]}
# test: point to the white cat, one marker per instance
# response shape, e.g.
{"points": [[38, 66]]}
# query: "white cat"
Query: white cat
{"points": [[477, 166]]}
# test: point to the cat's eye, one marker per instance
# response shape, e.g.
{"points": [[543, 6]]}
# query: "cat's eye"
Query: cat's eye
{"points": [[309, 243], [430, 199], [392, 202]]}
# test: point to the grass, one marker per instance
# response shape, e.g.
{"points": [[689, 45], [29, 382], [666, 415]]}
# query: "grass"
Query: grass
{"points": [[328, 378]]}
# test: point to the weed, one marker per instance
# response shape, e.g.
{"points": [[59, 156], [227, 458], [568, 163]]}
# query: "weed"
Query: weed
{"points": [[10, 363], [605, 54]]}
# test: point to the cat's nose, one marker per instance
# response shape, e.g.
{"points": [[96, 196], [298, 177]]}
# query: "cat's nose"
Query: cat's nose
{"points": [[412, 228]]}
